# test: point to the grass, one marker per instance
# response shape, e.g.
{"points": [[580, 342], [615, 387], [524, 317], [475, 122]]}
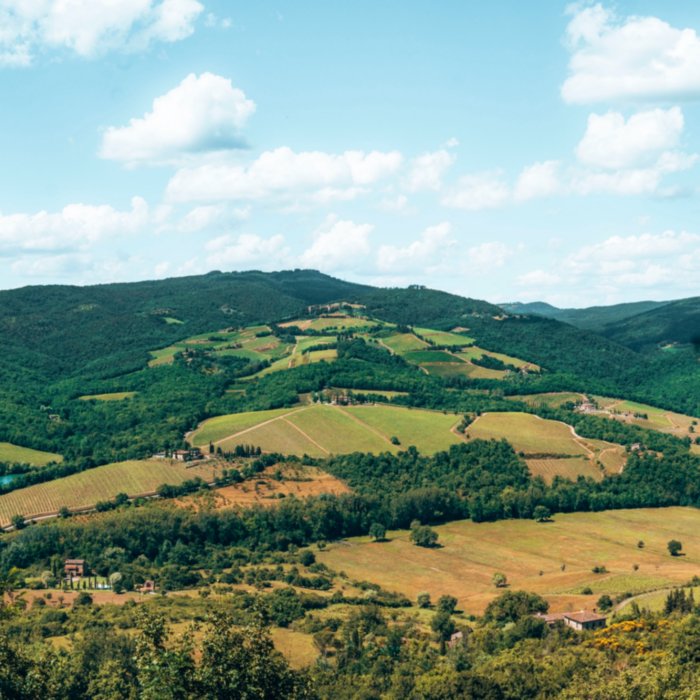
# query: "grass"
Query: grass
{"points": [[569, 468], [553, 399], [657, 418], [532, 556], [171, 321], [113, 396], [25, 455], [431, 356], [444, 338], [319, 430], [476, 352], [98, 484], [535, 436], [401, 343]]}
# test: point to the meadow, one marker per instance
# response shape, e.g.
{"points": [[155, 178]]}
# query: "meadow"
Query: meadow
{"points": [[14, 454], [86, 488], [112, 396], [543, 440], [319, 430], [554, 559]]}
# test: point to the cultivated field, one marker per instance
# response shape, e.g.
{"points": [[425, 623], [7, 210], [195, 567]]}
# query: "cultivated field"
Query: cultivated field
{"points": [[99, 484], [401, 343], [320, 430], [25, 455], [656, 418], [544, 439], [114, 396], [553, 559], [444, 337], [475, 352], [553, 399]]}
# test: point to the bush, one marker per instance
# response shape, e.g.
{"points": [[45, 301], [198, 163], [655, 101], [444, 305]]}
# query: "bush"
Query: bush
{"points": [[674, 548], [423, 536]]}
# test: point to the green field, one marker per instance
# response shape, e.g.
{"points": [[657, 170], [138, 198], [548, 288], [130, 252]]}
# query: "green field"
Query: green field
{"points": [[401, 343], [420, 357], [15, 454], [475, 352], [113, 396], [656, 418], [553, 399], [553, 559], [444, 337], [319, 430], [537, 437], [99, 484]]}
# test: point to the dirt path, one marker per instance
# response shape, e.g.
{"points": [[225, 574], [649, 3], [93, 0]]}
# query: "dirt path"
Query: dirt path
{"points": [[258, 425], [580, 441], [306, 435], [386, 347]]}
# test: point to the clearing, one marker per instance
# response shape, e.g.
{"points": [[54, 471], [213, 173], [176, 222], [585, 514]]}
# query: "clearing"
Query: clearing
{"points": [[15, 454], [320, 429], [553, 559], [113, 396], [550, 447]]}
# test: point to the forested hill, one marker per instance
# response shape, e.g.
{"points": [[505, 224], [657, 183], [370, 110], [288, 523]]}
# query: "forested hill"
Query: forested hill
{"points": [[59, 330], [593, 318], [676, 322]]}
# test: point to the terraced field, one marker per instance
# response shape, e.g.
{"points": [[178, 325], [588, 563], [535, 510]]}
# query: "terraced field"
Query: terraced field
{"points": [[83, 490], [15, 454], [553, 559], [553, 447], [320, 430]]}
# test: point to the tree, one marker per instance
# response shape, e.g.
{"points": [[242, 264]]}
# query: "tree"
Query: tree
{"points": [[542, 514], [377, 532], [423, 536], [499, 580], [604, 603], [512, 605], [674, 547], [423, 600], [444, 627], [18, 522], [447, 604]]}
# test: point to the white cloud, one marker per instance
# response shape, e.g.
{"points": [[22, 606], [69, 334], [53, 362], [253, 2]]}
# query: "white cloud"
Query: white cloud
{"points": [[90, 27], [489, 255], [611, 142], [338, 245], [203, 113], [538, 279], [538, 180], [432, 246], [635, 58], [75, 226], [283, 173], [394, 204], [426, 171], [478, 191], [248, 250]]}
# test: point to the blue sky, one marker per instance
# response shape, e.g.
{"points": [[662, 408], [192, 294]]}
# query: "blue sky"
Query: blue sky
{"points": [[504, 150]]}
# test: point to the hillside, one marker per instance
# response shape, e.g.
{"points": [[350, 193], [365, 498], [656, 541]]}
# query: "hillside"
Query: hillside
{"points": [[594, 318], [676, 322]]}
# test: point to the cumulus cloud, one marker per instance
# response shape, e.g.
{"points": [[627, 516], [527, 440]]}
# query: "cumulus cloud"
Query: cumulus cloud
{"points": [[612, 142], [426, 171], [538, 279], [538, 180], [338, 245], [285, 174], [489, 255], [434, 243], [632, 58], [203, 113], [90, 27], [75, 226], [248, 250], [485, 190]]}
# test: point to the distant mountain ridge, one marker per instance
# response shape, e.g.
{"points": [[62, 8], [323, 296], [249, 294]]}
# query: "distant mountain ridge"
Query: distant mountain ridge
{"points": [[594, 318]]}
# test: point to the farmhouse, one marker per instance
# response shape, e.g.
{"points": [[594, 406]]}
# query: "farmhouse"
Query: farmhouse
{"points": [[187, 455], [147, 587], [582, 620], [74, 567]]}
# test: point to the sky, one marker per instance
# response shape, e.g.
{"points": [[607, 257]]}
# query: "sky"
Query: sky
{"points": [[503, 151]]}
